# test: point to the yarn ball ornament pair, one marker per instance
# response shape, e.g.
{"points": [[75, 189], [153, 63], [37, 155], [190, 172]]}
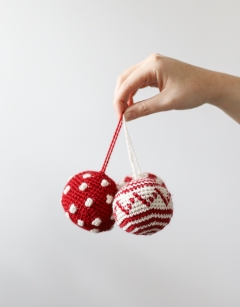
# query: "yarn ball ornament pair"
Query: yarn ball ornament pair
{"points": [[140, 204]]}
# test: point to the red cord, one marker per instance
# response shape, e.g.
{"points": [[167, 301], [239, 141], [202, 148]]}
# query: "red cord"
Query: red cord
{"points": [[110, 150]]}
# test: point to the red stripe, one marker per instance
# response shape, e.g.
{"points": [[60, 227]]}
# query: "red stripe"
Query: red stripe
{"points": [[146, 223], [148, 233], [150, 211], [154, 210], [148, 228]]}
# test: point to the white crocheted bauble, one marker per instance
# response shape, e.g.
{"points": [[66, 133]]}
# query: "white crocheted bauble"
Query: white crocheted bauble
{"points": [[142, 206]]}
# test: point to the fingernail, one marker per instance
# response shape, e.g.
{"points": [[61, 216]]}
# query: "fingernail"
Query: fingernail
{"points": [[129, 116]]}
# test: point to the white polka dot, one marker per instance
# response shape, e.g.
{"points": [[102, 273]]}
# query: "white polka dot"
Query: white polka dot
{"points": [[67, 215], [83, 186], [97, 221], [94, 230], [109, 199], [80, 223], [104, 183], [112, 217], [88, 202], [66, 190], [72, 208], [87, 175]]}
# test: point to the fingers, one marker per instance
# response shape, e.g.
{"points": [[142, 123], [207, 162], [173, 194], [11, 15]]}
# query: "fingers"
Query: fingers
{"points": [[152, 105], [138, 78], [124, 75]]}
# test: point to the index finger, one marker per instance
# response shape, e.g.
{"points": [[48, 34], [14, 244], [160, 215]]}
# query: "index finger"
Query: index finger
{"points": [[121, 78], [137, 79]]}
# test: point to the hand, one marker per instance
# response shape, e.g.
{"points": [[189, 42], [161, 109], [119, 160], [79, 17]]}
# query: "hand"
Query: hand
{"points": [[181, 86]]}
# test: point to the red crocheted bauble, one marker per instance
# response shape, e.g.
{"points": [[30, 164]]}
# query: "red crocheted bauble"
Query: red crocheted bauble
{"points": [[143, 206], [87, 200]]}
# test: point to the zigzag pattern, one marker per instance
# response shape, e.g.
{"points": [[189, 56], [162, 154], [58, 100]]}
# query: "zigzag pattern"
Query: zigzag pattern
{"points": [[143, 207]]}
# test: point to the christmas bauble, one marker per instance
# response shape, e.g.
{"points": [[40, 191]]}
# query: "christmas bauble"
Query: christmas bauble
{"points": [[143, 206], [87, 200]]}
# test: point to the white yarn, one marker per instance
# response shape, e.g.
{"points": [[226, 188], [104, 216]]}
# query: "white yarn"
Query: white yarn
{"points": [[131, 154], [143, 204]]}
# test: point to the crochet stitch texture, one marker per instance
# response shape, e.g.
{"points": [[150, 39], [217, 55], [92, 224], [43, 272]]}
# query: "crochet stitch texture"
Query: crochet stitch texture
{"points": [[143, 206], [87, 200]]}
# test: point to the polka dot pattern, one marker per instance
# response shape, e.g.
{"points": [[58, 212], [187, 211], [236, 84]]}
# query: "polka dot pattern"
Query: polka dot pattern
{"points": [[87, 200]]}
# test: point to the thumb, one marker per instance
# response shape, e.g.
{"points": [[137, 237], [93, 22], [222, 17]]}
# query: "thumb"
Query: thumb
{"points": [[146, 107]]}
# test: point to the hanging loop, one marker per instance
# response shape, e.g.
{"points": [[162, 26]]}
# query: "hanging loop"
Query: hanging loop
{"points": [[110, 150], [131, 153]]}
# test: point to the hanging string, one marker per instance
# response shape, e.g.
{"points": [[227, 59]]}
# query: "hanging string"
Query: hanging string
{"points": [[131, 153], [114, 139]]}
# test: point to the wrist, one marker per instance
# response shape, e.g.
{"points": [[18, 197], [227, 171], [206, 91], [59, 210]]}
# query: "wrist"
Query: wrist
{"points": [[223, 89], [224, 93]]}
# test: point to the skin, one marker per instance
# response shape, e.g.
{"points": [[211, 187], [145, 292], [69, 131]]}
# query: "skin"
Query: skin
{"points": [[181, 86]]}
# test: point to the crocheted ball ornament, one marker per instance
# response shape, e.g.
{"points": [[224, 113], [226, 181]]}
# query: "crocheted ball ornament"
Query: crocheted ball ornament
{"points": [[87, 200], [87, 197], [143, 206]]}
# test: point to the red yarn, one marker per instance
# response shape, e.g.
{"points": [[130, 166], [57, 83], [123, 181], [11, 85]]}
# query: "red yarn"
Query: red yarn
{"points": [[115, 136], [87, 200], [87, 197]]}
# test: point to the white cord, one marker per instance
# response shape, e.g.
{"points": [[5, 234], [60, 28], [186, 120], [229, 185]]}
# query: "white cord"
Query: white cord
{"points": [[131, 154]]}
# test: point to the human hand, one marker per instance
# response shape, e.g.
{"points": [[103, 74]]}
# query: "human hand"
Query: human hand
{"points": [[181, 86]]}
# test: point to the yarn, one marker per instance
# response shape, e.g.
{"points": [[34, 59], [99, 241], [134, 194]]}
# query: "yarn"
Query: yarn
{"points": [[87, 197], [87, 200], [143, 206]]}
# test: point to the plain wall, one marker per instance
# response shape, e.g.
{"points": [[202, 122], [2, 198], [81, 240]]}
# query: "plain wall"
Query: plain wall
{"points": [[59, 61]]}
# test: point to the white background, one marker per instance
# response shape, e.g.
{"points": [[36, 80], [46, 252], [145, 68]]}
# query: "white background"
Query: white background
{"points": [[59, 61]]}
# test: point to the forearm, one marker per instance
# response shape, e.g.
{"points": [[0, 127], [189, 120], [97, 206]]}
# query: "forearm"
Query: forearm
{"points": [[224, 93]]}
